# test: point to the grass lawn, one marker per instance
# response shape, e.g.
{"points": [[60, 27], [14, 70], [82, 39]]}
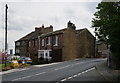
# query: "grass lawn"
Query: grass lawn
{"points": [[3, 65]]}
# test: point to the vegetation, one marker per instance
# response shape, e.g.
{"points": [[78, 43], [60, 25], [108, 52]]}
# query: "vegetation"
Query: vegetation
{"points": [[107, 27], [3, 65]]}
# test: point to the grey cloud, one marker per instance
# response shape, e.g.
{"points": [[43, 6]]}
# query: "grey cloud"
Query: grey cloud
{"points": [[24, 17]]}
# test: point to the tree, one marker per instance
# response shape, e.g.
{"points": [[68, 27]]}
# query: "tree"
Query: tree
{"points": [[107, 27]]}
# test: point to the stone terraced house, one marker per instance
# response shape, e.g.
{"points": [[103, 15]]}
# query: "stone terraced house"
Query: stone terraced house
{"points": [[61, 45]]}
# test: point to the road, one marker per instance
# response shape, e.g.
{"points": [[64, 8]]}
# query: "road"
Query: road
{"points": [[74, 70]]}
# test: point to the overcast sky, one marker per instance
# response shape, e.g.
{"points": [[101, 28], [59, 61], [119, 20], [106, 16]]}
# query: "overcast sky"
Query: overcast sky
{"points": [[23, 17]]}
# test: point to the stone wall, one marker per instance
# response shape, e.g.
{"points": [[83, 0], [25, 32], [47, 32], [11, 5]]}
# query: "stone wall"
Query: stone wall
{"points": [[69, 45], [78, 45], [85, 44]]}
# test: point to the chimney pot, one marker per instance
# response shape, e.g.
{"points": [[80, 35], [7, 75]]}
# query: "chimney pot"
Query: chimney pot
{"points": [[69, 24], [42, 25], [51, 26]]}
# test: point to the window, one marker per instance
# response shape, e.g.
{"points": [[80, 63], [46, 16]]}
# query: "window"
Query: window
{"points": [[50, 53], [48, 41], [56, 40], [18, 43], [46, 54], [36, 42], [42, 42], [29, 43], [39, 43], [17, 50], [42, 54], [23, 42]]}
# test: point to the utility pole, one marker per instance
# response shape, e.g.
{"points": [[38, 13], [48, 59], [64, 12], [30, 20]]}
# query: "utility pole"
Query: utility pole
{"points": [[6, 7]]}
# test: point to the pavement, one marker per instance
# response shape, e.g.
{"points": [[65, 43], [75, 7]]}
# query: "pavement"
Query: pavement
{"points": [[75, 70], [107, 73]]}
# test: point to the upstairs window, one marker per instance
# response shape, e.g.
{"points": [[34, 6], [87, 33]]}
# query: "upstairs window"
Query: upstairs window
{"points": [[56, 40], [23, 43], [48, 41], [42, 42], [36, 42], [18, 43], [17, 50], [29, 43]]}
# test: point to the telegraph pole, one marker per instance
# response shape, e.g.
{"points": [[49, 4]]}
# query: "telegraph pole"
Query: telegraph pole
{"points": [[6, 7]]}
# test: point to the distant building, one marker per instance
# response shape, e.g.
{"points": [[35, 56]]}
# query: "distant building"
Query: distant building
{"points": [[61, 45], [101, 49]]}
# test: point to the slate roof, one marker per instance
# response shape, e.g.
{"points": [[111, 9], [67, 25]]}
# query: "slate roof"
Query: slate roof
{"points": [[53, 33], [28, 36]]}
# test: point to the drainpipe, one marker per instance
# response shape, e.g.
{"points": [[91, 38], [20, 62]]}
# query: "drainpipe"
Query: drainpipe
{"points": [[52, 47], [38, 47]]}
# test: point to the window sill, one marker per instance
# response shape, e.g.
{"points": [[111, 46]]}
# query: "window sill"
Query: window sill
{"points": [[48, 44], [55, 45]]}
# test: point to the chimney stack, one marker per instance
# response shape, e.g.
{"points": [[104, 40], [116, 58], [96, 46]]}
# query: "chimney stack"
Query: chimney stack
{"points": [[71, 25], [42, 25]]}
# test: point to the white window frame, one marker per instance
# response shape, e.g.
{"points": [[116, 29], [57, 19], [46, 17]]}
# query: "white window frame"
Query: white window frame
{"points": [[29, 43], [39, 43], [48, 40], [18, 43], [43, 42], [17, 50], [56, 41]]}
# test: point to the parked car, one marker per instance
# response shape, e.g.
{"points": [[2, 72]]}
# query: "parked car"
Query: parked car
{"points": [[28, 60], [25, 60], [9, 58]]}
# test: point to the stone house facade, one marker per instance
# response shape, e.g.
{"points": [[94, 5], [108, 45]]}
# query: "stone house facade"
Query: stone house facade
{"points": [[61, 45]]}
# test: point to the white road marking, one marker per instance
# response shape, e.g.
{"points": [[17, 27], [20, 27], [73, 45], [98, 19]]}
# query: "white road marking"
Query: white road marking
{"points": [[68, 66], [46, 64], [63, 80], [40, 73], [69, 77], [78, 74], [27, 76], [13, 70], [62, 67], [82, 72], [75, 75]]}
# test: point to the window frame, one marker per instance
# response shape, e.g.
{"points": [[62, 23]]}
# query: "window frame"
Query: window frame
{"points": [[17, 50], [43, 42], [56, 40], [48, 41], [17, 43]]}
